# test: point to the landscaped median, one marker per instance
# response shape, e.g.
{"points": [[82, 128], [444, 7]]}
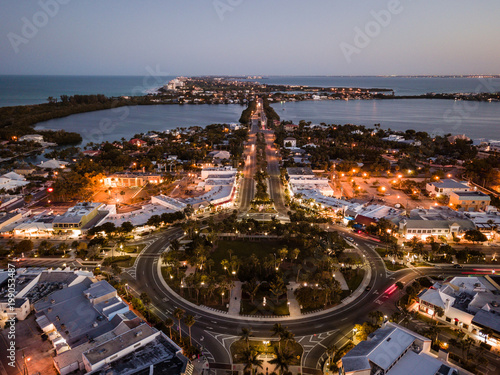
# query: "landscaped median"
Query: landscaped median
{"points": [[257, 276]]}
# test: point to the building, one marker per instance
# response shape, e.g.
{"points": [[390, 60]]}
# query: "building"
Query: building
{"points": [[79, 218], [31, 138], [138, 142], [470, 200], [395, 350], [470, 303], [93, 330], [290, 142], [290, 127], [228, 171], [446, 187], [52, 164], [9, 218], [219, 154], [132, 179], [440, 227]]}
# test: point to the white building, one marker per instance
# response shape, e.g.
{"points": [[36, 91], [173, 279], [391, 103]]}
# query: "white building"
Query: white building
{"points": [[290, 142], [32, 138], [446, 187], [441, 227], [395, 350], [470, 303]]}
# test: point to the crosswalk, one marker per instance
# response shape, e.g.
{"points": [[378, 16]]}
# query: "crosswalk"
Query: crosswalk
{"points": [[311, 341], [132, 271]]}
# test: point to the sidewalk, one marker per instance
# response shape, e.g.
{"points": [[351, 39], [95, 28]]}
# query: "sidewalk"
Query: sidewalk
{"points": [[235, 300], [293, 305]]}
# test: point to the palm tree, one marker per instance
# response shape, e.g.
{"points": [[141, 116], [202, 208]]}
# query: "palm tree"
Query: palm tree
{"points": [[250, 358], [189, 322], [252, 288], [287, 337], [169, 323], [282, 361], [278, 330], [178, 314], [245, 335]]}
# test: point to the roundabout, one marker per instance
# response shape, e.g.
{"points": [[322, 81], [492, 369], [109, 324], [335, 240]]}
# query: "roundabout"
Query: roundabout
{"points": [[215, 331]]}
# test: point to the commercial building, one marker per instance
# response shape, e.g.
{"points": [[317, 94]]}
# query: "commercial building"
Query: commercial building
{"points": [[470, 303], [446, 187], [79, 218], [395, 350], [470, 200], [422, 229], [132, 179], [93, 330]]}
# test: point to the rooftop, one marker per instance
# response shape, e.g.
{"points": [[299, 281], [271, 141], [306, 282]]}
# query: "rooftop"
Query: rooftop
{"points": [[472, 195], [450, 184]]}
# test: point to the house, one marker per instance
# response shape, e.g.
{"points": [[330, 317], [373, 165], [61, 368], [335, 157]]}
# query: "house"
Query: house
{"points": [[91, 153], [290, 142], [52, 164], [220, 155], [446, 187], [395, 350], [290, 127], [138, 142], [31, 138], [470, 200]]}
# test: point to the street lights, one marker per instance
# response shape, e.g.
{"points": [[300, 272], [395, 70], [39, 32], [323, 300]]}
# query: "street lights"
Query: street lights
{"points": [[354, 330]]}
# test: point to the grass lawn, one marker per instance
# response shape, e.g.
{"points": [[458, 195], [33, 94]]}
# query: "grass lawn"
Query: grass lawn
{"points": [[354, 282], [239, 346], [133, 248], [271, 308], [381, 251], [394, 267], [243, 249]]}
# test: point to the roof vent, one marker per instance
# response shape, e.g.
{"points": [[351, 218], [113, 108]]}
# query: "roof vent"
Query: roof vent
{"points": [[139, 333]]}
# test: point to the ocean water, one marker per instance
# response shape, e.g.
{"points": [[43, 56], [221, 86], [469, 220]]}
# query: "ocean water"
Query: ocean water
{"points": [[23, 90], [435, 116]]}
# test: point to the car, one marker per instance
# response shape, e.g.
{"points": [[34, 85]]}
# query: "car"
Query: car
{"points": [[368, 288], [457, 266]]}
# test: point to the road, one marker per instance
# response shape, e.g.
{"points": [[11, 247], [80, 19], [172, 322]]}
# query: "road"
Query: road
{"points": [[273, 169], [247, 190], [216, 332]]}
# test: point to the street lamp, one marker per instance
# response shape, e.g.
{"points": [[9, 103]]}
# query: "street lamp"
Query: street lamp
{"points": [[354, 333]]}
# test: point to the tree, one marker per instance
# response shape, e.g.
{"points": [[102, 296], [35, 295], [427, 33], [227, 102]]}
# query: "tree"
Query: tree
{"points": [[245, 335], [283, 360], [25, 246], [189, 322], [475, 236], [178, 314], [252, 288], [278, 330], [169, 323], [400, 287], [250, 358], [145, 298], [439, 311], [127, 227]]}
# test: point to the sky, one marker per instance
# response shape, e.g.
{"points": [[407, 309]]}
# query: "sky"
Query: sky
{"points": [[250, 37]]}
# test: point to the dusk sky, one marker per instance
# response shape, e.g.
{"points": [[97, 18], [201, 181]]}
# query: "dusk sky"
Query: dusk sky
{"points": [[267, 37]]}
